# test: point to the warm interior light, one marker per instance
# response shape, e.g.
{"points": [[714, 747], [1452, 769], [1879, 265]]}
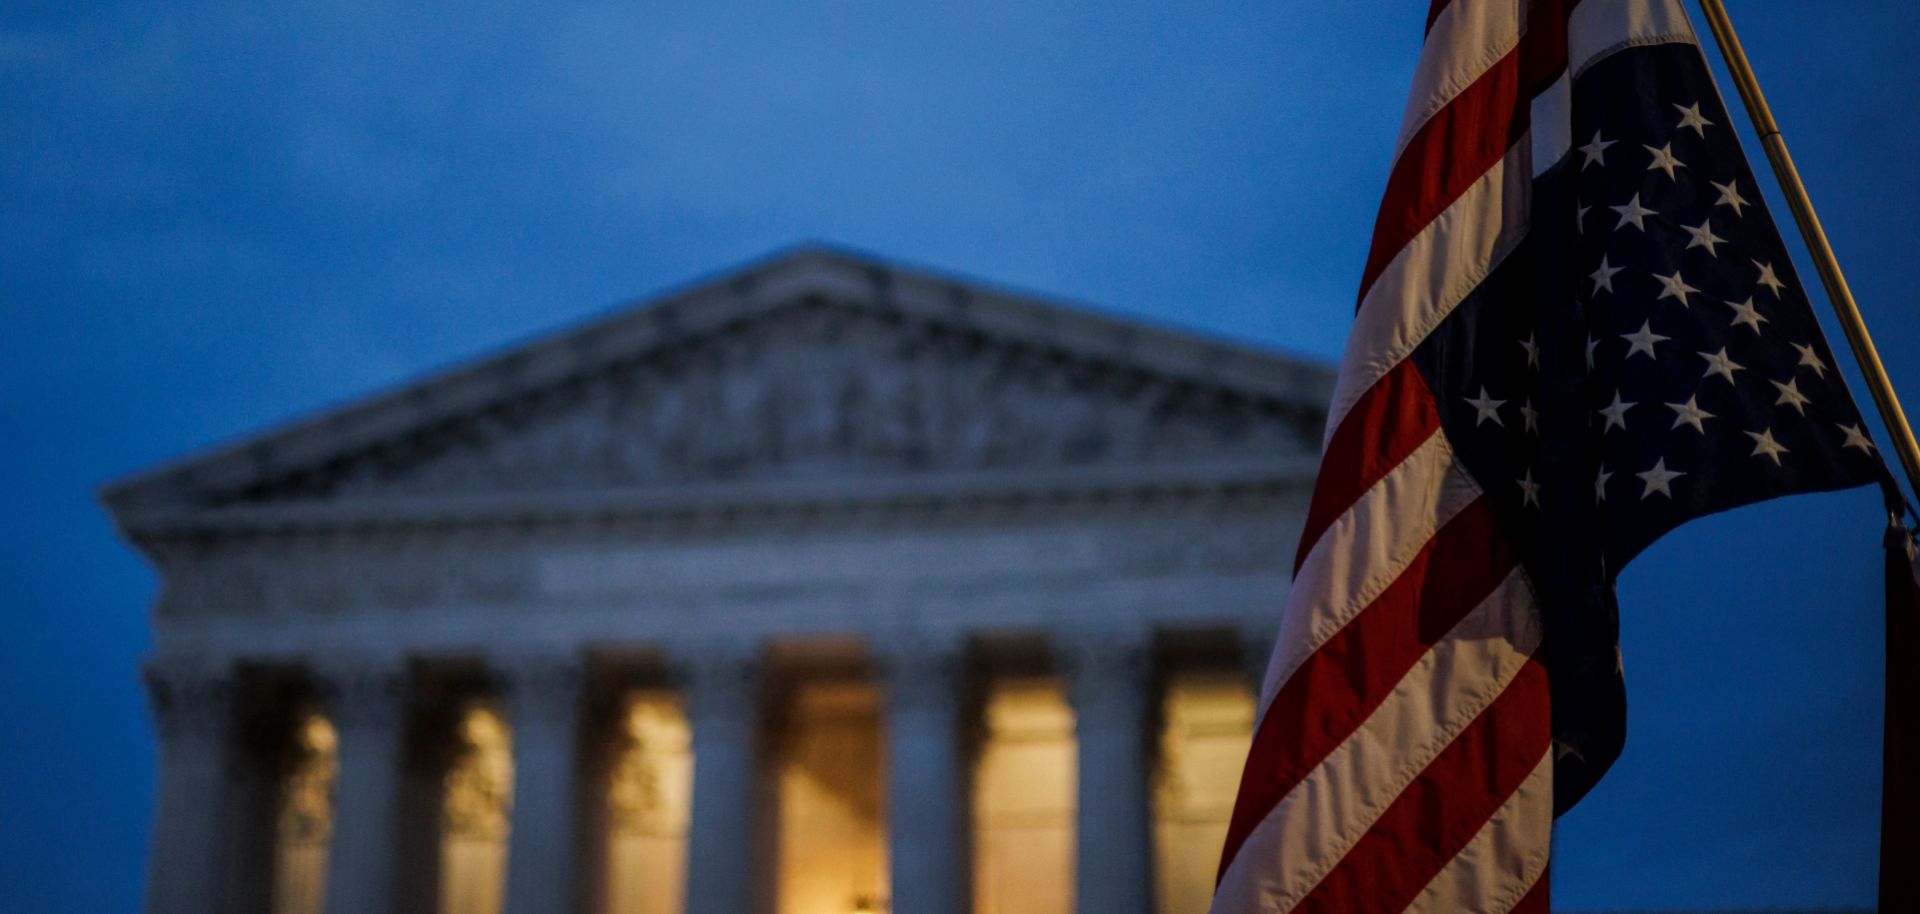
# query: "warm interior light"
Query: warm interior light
{"points": [[864, 904]]}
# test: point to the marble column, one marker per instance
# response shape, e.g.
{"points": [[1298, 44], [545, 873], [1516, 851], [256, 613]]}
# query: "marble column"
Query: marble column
{"points": [[193, 713], [723, 693], [366, 698], [926, 784], [1109, 684], [544, 710]]}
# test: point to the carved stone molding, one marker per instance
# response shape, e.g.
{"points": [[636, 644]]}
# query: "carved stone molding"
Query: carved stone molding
{"points": [[191, 698], [813, 388]]}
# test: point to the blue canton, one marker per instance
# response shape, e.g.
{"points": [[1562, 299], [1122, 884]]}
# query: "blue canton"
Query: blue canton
{"points": [[1645, 356]]}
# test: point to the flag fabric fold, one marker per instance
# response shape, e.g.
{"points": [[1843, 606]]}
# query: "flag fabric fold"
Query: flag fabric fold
{"points": [[1578, 327]]}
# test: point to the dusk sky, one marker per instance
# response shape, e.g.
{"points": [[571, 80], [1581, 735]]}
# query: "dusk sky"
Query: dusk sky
{"points": [[216, 216]]}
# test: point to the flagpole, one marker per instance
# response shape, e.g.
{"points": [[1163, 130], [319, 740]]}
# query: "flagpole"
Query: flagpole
{"points": [[1816, 238]]}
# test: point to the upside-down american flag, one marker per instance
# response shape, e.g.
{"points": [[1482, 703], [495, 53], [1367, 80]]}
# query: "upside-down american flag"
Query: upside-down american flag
{"points": [[1578, 328]]}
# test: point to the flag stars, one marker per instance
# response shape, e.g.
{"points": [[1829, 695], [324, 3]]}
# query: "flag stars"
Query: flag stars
{"points": [[1533, 351], [1484, 408], [1690, 413], [1658, 479], [1690, 117], [1593, 343], [1580, 219], [1855, 438], [1675, 287], [1529, 490], [1600, 484], [1810, 358], [1703, 237], [1769, 279], [1530, 416], [1719, 364], [1765, 446], [1730, 196], [1595, 151], [1632, 213], [1790, 395], [1643, 340], [1603, 277], [1745, 313], [1616, 414], [1664, 160]]}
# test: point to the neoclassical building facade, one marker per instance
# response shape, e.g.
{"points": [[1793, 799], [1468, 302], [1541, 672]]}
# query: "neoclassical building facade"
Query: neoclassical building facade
{"points": [[819, 587]]}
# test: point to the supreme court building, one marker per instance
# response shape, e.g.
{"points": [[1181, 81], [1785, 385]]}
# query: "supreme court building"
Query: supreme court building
{"points": [[821, 587]]}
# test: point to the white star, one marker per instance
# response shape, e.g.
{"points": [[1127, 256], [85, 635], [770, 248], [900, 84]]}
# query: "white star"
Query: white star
{"points": [[1765, 446], [1603, 277], [1658, 478], [1485, 408], [1596, 151], [1663, 160], [1703, 237], [1600, 483], [1691, 117], [1643, 340], [1856, 438], [1719, 364], [1580, 219], [1531, 415], [1529, 490], [1790, 395], [1533, 351], [1745, 313], [1768, 279], [1689, 413], [1811, 359], [1564, 748], [1675, 287], [1592, 344], [1632, 212], [1730, 196], [1616, 414]]}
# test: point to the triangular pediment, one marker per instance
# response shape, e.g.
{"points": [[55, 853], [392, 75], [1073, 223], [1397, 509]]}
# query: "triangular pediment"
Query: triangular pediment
{"points": [[813, 366]]}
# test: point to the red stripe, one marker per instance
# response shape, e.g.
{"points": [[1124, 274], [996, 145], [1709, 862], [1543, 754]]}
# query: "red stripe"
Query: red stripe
{"points": [[1464, 139], [1434, 818], [1444, 158], [1343, 682], [1389, 422], [1538, 899]]}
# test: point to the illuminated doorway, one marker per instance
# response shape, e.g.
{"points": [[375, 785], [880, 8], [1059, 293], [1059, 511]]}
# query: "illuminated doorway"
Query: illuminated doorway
{"points": [[477, 802], [832, 838], [1208, 729], [303, 820], [1023, 801], [649, 790]]}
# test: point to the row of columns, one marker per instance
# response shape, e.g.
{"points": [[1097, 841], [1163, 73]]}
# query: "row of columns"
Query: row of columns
{"points": [[922, 677]]}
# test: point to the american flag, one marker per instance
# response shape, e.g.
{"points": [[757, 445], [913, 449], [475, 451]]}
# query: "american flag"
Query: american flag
{"points": [[1578, 328]]}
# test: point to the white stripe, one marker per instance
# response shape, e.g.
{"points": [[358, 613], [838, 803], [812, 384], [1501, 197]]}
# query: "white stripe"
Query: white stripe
{"points": [[1364, 550], [1508, 855], [1430, 276], [1552, 124], [1469, 38], [1320, 820], [1601, 27]]}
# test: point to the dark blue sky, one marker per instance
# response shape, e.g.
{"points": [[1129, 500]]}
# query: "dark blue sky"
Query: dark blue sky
{"points": [[218, 215]]}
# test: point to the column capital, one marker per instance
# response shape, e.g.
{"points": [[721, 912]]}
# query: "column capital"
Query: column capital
{"points": [[191, 697], [721, 678], [362, 690], [921, 670], [543, 685], [1104, 663]]}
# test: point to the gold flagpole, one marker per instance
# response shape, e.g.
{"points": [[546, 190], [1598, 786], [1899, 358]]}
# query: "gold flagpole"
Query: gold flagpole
{"points": [[1816, 239]]}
